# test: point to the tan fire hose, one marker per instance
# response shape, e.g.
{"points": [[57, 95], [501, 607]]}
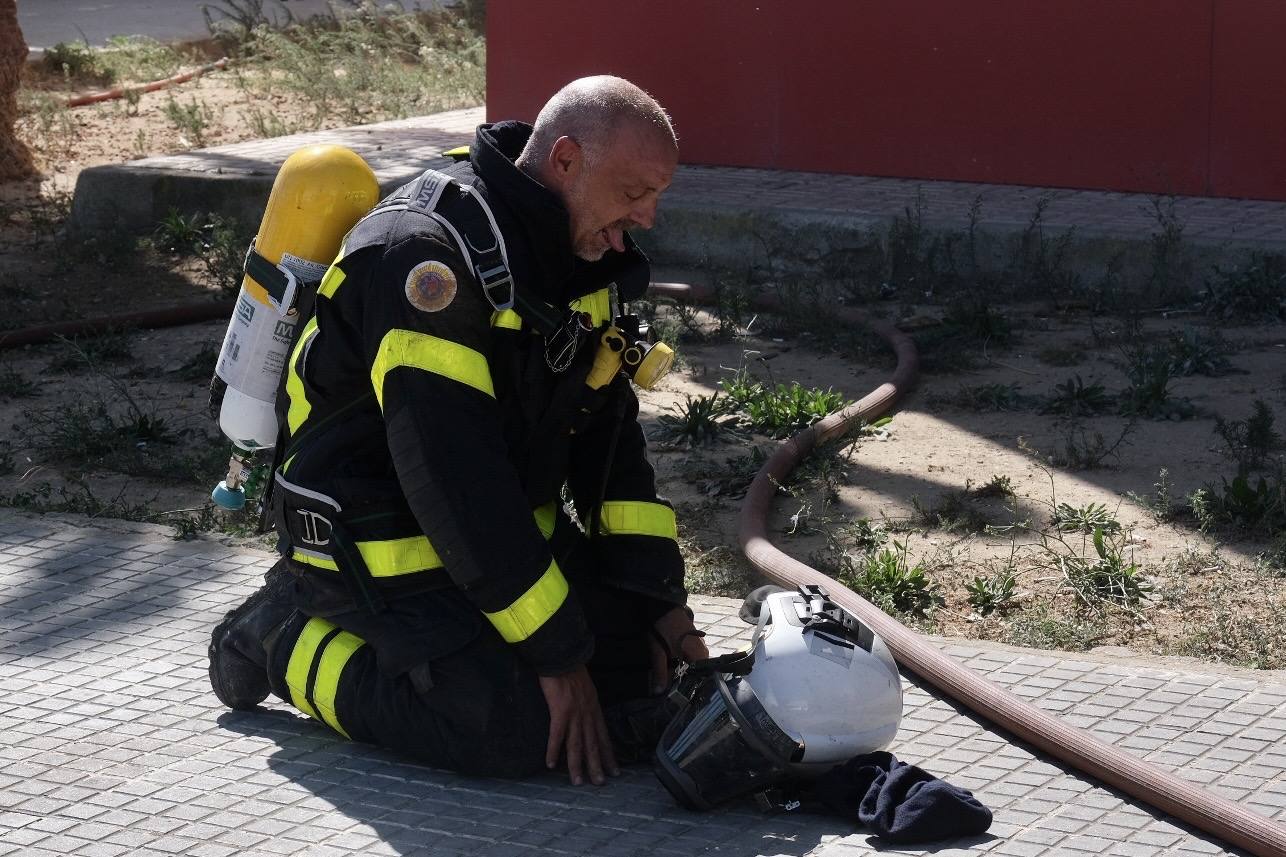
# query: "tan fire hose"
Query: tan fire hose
{"points": [[1076, 747], [122, 91]]}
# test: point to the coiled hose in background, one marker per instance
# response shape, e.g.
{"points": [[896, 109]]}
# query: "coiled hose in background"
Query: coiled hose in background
{"points": [[1079, 749]]}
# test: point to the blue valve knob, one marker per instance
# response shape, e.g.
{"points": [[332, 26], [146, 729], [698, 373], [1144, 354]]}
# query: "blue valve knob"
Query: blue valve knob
{"points": [[232, 499]]}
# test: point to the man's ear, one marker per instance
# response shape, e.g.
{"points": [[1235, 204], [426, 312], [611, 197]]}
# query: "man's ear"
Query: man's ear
{"points": [[565, 160]]}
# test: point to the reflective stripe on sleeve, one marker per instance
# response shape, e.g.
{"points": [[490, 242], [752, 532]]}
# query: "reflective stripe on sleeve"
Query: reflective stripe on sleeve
{"points": [[432, 354], [598, 304], [331, 282], [316, 663], [300, 407], [533, 608], [637, 518], [507, 318]]}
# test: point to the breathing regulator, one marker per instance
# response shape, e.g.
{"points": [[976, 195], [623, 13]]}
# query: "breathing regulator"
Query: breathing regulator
{"points": [[623, 347]]}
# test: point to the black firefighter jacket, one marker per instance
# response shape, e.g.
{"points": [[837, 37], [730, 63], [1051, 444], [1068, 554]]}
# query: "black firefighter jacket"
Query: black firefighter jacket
{"points": [[433, 433]]}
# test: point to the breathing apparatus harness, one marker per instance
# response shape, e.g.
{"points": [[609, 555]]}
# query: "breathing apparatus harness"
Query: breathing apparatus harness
{"points": [[457, 207]]}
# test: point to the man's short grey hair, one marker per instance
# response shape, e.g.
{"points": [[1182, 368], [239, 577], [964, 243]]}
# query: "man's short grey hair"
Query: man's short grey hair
{"points": [[591, 110]]}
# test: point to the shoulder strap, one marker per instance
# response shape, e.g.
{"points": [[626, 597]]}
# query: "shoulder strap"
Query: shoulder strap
{"points": [[458, 207]]}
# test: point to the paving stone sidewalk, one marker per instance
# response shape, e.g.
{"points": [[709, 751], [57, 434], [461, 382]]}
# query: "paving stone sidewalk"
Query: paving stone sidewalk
{"points": [[113, 744]]}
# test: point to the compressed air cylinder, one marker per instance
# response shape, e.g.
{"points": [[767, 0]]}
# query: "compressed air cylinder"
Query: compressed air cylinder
{"points": [[319, 193]]}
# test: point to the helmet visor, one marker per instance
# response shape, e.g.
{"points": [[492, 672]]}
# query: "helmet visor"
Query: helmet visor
{"points": [[712, 751]]}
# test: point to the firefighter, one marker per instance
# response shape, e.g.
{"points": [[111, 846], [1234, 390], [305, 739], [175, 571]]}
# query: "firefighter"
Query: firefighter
{"points": [[434, 596]]}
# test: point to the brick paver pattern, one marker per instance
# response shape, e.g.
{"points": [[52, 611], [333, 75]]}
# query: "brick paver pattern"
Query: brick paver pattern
{"points": [[113, 743]]}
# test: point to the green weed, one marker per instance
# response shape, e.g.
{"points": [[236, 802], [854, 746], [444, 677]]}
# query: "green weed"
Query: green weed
{"points": [[1084, 519], [887, 580], [1074, 398], [1108, 577], [223, 253], [995, 592], [1241, 505], [1256, 291], [1171, 270], [1193, 352], [953, 512], [267, 124], [89, 352], [1160, 502], [80, 500], [199, 368], [50, 127], [178, 233], [1150, 371], [75, 61], [1082, 448], [779, 410], [696, 422], [975, 318], [1039, 262], [1251, 441], [1225, 633], [83, 432], [989, 397], [192, 120], [997, 487], [1042, 628]]}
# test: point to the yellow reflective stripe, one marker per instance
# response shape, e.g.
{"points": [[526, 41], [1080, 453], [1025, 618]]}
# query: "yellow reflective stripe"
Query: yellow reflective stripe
{"points": [[394, 557], [300, 407], [385, 557], [330, 662], [533, 608], [546, 516], [507, 318], [636, 518], [301, 663], [334, 277], [432, 354], [334, 658], [598, 304]]}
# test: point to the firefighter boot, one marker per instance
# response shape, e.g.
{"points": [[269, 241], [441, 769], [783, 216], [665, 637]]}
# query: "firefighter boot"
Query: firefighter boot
{"points": [[238, 660]]}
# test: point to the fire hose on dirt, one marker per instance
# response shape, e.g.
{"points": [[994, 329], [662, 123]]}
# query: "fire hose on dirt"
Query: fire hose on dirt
{"points": [[1076, 747]]}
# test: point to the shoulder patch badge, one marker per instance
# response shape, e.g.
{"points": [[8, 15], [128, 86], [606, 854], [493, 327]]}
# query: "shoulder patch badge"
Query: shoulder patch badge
{"points": [[430, 286]]}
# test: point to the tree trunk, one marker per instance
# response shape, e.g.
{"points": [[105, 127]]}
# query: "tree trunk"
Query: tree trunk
{"points": [[15, 160]]}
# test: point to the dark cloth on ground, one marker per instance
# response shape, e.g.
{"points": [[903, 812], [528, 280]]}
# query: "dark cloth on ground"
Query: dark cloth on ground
{"points": [[899, 802]]}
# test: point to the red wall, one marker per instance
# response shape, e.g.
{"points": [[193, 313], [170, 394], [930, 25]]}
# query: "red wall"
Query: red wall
{"points": [[1167, 96]]}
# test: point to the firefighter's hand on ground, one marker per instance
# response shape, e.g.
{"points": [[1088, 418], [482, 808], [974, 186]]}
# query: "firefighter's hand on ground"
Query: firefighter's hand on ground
{"points": [[682, 642], [576, 724]]}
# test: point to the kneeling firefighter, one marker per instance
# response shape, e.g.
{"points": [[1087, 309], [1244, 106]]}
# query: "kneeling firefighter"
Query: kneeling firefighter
{"points": [[815, 689], [461, 368]]}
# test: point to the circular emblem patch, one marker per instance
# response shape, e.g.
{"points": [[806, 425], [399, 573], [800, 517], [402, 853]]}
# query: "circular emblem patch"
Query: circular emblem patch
{"points": [[430, 286]]}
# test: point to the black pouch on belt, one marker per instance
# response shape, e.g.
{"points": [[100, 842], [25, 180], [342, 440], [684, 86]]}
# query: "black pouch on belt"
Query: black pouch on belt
{"points": [[312, 524]]}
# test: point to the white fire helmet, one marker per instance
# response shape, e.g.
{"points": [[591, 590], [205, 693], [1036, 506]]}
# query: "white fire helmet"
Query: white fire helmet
{"points": [[816, 689]]}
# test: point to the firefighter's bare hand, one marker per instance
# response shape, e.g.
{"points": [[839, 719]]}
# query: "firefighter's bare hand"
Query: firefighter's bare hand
{"points": [[683, 641], [576, 726]]}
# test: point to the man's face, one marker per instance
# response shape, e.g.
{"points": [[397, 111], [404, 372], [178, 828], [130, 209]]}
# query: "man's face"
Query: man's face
{"points": [[617, 190]]}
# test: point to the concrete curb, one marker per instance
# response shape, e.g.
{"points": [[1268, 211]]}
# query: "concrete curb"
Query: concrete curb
{"points": [[765, 224]]}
